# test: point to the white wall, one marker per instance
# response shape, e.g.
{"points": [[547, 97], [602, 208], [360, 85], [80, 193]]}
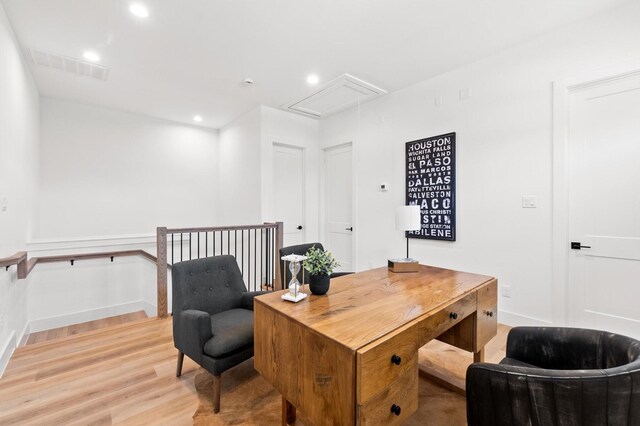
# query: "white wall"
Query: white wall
{"points": [[504, 150], [246, 169], [286, 128], [107, 180], [19, 104], [240, 197], [105, 172]]}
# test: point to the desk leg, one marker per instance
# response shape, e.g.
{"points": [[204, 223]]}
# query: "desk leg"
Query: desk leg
{"points": [[288, 413], [478, 356]]}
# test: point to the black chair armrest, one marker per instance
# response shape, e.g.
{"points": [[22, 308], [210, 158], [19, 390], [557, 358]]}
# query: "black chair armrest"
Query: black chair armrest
{"points": [[340, 274], [556, 347], [192, 330], [246, 299]]}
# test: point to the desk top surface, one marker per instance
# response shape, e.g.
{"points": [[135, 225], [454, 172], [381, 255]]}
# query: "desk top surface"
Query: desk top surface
{"points": [[365, 306]]}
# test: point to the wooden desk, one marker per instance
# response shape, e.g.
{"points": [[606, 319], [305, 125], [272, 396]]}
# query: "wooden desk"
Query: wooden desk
{"points": [[349, 356]]}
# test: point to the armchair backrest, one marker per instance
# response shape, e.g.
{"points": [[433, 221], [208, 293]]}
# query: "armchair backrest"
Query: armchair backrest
{"points": [[301, 250], [565, 348], [211, 284]]}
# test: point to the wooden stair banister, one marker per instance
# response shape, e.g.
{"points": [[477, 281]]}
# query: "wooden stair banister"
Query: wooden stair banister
{"points": [[271, 230]]}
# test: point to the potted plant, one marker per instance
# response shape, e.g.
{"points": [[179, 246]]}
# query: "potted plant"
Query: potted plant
{"points": [[319, 264]]}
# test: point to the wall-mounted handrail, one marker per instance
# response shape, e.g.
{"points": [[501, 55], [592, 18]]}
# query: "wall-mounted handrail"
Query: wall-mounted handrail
{"points": [[98, 255], [252, 245], [25, 264]]}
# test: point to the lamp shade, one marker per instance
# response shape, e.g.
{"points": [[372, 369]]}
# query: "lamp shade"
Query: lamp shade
{"points": [[408, 218]]}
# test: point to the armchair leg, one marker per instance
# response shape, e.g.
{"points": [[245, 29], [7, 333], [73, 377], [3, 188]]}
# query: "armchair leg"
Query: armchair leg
{"points": [[180, 359], [216, 393]]}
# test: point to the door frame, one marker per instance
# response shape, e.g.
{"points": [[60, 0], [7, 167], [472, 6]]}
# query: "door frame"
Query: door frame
{"points": [[323, 199], [562, 91], [302, 149]]}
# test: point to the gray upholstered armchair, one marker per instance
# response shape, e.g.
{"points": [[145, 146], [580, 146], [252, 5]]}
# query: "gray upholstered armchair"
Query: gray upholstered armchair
{"points": [[558, 376], [212, 316], [302, 249]]}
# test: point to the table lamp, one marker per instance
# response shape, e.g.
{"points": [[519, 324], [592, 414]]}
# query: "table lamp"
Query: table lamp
{"points": [[407, 219]]}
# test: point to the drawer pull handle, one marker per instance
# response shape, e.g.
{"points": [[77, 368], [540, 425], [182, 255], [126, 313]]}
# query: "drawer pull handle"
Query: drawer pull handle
{"points": [[453, 316], [396, 359], [489, 313], [395, 409]]}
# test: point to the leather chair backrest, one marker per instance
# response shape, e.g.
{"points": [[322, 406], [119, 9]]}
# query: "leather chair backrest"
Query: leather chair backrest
{"points": [[211, 284], [564, 348]]}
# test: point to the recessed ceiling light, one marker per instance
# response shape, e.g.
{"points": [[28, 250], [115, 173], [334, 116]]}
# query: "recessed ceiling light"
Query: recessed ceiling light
{"points": [[313, 79], [139, 10], [91, 56], [197, 118]]}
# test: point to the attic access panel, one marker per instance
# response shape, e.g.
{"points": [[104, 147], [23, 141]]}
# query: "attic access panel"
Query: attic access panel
{"points": [[335, 96]]}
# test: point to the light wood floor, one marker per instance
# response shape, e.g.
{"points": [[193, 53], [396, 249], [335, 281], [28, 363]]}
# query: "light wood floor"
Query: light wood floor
{"points": [[126, 375], [70, 330]]}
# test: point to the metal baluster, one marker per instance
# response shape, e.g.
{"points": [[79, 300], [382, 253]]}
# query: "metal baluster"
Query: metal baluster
{"points": [[261, 258], [270, 260], [189, 245], [235, 244], [213, 237], [181, 246], [255, 259], [206, 244], [198, 244], [242, 252], [172, 248], [266, 256], [228, 241]]}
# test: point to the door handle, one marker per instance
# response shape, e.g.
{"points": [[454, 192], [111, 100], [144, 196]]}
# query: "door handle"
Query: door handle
{"points": [[575, 245], [349, 228], [299, 227]]}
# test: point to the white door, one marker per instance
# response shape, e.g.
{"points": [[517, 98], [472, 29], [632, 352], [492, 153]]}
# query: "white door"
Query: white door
{"points": [[604, 206], [288, 191], [338, 200]]}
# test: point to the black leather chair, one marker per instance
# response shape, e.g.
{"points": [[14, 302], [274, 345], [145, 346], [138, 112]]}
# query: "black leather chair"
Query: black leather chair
{"points": [[558, 376], [301, 250], [212, 316]]}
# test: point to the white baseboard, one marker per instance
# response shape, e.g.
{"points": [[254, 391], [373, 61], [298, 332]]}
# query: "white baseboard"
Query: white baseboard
{"points": [[513, 320], [6, 351], [90, 315], [25, 332]]}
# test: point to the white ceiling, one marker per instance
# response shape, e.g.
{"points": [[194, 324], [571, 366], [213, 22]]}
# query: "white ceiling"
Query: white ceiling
{"points": [[191, 56]]}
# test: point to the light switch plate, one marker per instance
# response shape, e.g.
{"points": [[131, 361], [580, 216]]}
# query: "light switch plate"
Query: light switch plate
{"points": [[529, 201], [465, 93], [506, 291]]}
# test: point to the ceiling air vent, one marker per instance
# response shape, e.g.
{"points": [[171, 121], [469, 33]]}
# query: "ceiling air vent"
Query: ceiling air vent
{"points": [[71, 65], [337, 95]]}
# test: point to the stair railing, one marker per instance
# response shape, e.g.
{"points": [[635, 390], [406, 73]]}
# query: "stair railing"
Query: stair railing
{"points": [[255, 248]]}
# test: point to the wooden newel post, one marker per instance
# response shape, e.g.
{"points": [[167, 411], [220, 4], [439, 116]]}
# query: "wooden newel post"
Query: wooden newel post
{"points": [[161, 265], [279, 242]]}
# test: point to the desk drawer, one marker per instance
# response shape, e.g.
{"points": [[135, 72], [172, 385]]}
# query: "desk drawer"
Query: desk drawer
{"points": [[438, 323], [487, 313], [385, 360], [402, 395]]}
